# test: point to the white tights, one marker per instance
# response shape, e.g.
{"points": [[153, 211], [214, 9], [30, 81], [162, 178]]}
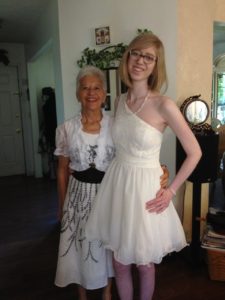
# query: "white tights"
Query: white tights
{"points": [[124, 282]]}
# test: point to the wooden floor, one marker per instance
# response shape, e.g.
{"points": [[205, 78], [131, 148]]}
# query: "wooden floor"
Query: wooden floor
{"points": [[29, 234]]}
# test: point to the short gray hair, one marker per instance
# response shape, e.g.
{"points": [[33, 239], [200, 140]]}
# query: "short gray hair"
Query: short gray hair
{"points": [[91, 71]]}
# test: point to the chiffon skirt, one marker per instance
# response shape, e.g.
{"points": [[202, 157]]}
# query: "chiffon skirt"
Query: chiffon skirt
{"points": [[119, 218]]}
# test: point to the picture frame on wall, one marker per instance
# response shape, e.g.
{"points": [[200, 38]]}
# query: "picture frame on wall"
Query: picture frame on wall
{"points": [[107, 105], [102, 35]]}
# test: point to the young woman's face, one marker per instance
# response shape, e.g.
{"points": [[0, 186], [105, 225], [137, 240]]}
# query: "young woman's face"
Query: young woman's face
{"points": [[91, 93], [141, 63]]}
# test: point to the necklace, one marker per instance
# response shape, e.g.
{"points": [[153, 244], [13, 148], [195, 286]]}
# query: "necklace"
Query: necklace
{"points": [[89, 125], [141, 105]]}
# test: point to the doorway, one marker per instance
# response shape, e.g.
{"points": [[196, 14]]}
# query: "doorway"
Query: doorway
{"points": [[218, 109], [218, 80], [217, 191]]}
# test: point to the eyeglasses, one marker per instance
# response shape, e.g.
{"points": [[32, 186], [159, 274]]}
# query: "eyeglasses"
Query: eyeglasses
{"points": [[147, 58]]}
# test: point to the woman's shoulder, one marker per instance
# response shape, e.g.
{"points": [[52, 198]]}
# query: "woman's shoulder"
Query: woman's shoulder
{"points": [[167, 106], [163, 101], [69, 123]]}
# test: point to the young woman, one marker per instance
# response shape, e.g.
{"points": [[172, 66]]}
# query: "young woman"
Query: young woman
{"points": [[138, 227]]}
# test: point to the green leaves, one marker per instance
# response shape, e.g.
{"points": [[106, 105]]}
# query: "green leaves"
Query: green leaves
{"points": [[103, 59], [145, 30]]}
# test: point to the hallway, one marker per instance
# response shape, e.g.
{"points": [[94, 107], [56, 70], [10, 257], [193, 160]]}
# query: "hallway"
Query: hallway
{"points": [[29, 234]]}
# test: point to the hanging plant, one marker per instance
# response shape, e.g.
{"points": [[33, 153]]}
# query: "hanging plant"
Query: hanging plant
{"points": [[103, 59], [145, 30], [3, 57], [106, 58]]}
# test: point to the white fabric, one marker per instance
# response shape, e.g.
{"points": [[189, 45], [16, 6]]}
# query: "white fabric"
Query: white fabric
{"points": [[70, 142], [133, 177], [79, 260], [91, 139]]}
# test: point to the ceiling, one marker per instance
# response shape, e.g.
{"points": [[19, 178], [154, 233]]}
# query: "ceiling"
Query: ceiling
{"points": [[18, 17]]}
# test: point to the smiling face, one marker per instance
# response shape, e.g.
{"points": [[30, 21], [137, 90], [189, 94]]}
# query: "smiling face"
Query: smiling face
{"points": [[140, 68], [91, 93], [135, 66]]}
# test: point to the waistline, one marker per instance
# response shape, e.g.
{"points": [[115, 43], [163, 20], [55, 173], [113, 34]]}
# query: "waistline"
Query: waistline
{"points": [[143, 162]]}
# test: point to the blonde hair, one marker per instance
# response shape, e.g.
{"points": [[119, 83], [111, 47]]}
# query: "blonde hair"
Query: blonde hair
{"points": [[158, 77]]}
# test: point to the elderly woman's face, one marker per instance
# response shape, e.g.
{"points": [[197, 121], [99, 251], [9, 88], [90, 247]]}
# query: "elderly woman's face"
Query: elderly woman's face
{"points": [[91, 93]]}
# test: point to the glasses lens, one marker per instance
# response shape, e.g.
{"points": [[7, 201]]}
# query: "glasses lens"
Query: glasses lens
{"points": [[148, 59], [135, 54]]}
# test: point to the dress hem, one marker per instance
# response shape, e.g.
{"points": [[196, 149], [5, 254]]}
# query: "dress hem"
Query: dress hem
{"points": [[87, 287], [154, 261]]}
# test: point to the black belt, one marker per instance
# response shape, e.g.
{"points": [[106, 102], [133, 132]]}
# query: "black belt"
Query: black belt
{"points": [[90, 175]]}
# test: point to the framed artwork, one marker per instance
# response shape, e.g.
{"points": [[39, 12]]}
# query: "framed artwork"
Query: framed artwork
{"points": [[102, 35], [114, 88], [108, 103]]}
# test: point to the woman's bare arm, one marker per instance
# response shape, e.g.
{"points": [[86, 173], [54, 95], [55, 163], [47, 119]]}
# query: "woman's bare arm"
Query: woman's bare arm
{"points": [[62, 181], [177, 123]]}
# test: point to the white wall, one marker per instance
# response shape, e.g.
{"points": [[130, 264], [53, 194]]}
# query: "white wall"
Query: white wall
{"points": [[45, 36], [45, 32], [77, 21]]}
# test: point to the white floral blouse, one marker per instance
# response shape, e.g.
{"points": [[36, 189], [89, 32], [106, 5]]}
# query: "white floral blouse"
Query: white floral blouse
{"points": [[71, 142]]}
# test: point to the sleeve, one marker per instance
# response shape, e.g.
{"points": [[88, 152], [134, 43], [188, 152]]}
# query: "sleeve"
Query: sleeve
{"points": [[61, 141]]}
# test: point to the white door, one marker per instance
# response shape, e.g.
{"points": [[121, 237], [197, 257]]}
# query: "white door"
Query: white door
{"points": [[11, 134]]}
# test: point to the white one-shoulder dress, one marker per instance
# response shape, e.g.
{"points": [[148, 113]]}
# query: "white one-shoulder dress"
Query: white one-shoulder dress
{"points": [[119, 218]]}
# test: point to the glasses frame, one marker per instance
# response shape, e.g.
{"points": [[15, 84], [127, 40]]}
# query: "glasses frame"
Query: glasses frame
{"points": [[138, 55]]}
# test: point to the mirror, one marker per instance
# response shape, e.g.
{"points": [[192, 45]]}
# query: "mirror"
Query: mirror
{"points": [[195, 110]]}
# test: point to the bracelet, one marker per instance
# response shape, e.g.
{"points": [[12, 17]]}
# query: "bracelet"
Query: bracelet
{"points": [[172, 190]]}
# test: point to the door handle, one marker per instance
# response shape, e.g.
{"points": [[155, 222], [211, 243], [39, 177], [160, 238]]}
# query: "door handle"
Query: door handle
{"points": [[18, 130]]}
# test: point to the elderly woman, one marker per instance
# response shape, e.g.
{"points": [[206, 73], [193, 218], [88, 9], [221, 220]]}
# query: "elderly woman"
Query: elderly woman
{"points": [[85, 147]]}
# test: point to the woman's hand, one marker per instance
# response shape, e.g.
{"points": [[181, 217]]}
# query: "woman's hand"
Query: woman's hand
{"points": [[160, 202], [164, 178]]}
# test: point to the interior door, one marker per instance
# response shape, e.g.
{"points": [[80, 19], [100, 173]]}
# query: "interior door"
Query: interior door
{"points": [[11, 135]]}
